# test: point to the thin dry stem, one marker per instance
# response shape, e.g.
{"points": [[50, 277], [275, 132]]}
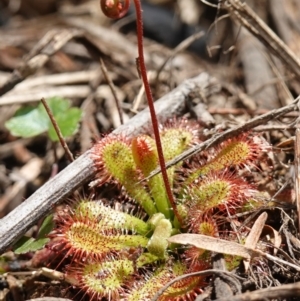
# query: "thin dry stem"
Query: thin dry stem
{"points": [[113, 90], [58, 132]]}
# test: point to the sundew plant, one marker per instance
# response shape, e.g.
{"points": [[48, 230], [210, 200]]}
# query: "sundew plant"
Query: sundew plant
{"points": [[118, 249]]}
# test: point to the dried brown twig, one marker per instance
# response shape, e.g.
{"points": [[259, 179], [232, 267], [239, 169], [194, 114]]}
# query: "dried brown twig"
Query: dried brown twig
{"points": [[113, 90], [58, 132], [270, 293], [243, 14]]}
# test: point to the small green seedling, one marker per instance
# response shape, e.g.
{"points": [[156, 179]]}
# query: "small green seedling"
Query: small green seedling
{"points": [[29, 244], [31, 121]]}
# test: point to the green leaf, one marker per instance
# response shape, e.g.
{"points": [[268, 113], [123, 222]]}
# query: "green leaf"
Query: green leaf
{"points": [[46, 227], [57, 105], [30, 121], [29, 244], [67, 122]]}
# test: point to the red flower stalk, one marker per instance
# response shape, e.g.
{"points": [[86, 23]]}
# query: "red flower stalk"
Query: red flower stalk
{"points": [[115, 9]]}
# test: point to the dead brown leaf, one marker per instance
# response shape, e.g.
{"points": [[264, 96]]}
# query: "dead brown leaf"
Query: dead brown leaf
{"points": [[214, 245], [254, 235]]}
